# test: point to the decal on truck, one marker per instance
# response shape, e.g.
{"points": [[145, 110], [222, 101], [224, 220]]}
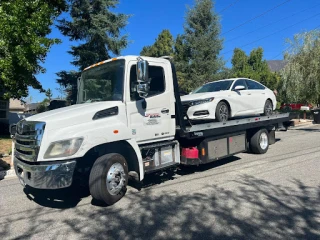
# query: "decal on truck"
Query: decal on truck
{"points": [[152, 119]]}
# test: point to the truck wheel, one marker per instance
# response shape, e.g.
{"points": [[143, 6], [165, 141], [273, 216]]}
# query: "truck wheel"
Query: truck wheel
{"points": [[259, 142], [108, 178], [222, 112]]}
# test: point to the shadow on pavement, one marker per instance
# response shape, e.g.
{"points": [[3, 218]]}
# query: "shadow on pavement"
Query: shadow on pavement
{"points": [[253, 209], [60, 198]]}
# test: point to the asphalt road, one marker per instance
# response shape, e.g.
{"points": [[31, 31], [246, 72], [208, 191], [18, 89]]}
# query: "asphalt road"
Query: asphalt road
{"points": [[270, 196]]}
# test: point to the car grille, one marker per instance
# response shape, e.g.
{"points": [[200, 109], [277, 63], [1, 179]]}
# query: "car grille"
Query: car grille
{"points": [[28, 139]]}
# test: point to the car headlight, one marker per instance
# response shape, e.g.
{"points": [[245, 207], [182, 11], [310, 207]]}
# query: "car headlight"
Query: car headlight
{"points": [[201, 101], [63, 148]]}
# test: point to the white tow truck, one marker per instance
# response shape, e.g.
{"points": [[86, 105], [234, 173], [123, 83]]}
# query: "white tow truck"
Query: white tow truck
{"points": [[128, 121]]}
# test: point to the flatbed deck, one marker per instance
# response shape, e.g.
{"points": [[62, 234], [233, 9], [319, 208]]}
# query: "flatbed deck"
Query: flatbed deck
{"points": [[218, 128]]}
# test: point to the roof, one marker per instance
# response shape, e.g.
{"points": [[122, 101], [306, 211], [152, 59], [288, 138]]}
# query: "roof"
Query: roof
{"points": [[15, 104], [276, 65], [31, 106]]}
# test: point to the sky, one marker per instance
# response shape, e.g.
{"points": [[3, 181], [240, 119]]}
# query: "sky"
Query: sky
{"points": [[245, 24]]}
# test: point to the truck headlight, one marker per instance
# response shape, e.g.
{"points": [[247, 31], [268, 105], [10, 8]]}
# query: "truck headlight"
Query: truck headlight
{"points": [[63, 148], [201, 101]]}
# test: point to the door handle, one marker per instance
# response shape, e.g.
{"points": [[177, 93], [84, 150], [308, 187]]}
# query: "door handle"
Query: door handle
{"points": [[249, 93], [165, 110], [263, 93]]}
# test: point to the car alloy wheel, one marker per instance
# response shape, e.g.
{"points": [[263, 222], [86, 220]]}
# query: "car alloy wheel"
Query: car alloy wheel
{"points": [[268, 109], [224, 113]]}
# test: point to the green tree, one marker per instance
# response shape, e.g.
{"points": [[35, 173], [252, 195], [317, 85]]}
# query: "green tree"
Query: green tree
{"points": [[163, 46], [99, 32], [48, 94], [23, 42], [254, 67], [181, 63], [301, 75], [202, 43]]}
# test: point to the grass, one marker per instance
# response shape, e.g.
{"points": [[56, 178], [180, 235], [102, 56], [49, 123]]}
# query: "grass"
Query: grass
{"points": [[5, 145], [5, 148]]}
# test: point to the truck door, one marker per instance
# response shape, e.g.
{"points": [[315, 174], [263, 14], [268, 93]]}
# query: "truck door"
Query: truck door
{"points": [[151, 119]]}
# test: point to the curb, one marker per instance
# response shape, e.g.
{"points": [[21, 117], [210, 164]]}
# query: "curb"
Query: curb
{"points": [[303, 125], [7, 174]]}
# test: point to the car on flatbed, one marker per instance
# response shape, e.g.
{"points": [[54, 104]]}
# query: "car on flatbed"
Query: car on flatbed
{"points": [[229, 98]]}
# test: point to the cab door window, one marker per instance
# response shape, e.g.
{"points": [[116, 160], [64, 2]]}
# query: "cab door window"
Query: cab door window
{"points": [[157, 82]]}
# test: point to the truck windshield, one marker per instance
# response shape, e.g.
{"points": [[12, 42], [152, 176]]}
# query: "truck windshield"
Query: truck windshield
{"points": [[214, 87], [102, 83]]}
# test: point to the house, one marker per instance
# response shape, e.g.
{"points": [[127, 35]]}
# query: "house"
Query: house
{"points": [[16, 106], [4, 112], [31, 108], [16, 111]]}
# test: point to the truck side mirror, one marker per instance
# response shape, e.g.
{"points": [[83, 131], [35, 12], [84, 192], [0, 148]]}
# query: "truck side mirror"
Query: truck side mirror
{"points": [[143, 78], [13, 129]]}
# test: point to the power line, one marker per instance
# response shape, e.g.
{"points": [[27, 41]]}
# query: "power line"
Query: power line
{"points": [[229, 6], [287, 48], [271, 23], [274, 33], [260, 15]]}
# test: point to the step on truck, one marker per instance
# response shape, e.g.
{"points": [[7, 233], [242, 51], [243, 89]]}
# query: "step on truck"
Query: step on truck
{"points": [[128, 121]]}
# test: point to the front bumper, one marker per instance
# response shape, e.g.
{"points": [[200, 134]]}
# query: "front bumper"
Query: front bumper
{"points": [[45, 176], [210, 107]]}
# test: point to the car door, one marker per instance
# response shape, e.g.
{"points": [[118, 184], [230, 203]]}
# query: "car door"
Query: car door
{"points": [[258, 93], [151, 118], [241, 102]]}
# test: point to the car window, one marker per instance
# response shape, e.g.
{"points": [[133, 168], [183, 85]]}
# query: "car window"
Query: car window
{"points": [[214, 86], [254, 85], [157, 83], [240, 82]]}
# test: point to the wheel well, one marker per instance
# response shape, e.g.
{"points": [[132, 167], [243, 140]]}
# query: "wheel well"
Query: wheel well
{"points": [[229, 107], [85, 164]]}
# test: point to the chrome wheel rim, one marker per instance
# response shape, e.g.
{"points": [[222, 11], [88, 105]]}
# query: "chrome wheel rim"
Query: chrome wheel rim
{"points": [[263, 141], [268, 108], [116, 179], [224, 113]]}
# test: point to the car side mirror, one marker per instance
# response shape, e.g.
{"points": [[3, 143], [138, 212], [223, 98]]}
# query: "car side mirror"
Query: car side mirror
{"points": [[143, 86], [239, 88]]}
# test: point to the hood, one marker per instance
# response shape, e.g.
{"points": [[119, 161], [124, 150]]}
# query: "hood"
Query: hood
{"points": [[198, 96], [75, 114]]}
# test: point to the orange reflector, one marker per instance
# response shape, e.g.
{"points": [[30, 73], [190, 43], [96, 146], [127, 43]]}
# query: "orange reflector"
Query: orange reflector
{"points": [[203, 152], [115, 131], [113, 59]]}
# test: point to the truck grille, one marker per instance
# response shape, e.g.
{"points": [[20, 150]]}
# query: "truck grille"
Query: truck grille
{"points": [[28, 139]]}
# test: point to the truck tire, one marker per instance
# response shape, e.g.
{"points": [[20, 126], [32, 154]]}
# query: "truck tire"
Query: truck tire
{"points": [[108, 178], [259, 142], [222, 112]]}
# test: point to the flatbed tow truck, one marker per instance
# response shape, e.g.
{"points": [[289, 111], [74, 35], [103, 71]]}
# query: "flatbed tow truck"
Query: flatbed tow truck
{"points": [[128, 121]]}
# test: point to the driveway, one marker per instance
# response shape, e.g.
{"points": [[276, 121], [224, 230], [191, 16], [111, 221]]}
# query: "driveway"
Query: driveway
{"points": [[270, 196]]}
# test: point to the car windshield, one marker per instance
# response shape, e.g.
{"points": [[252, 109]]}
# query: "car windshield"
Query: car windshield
{"points": [[214, 86], [102, 83]]}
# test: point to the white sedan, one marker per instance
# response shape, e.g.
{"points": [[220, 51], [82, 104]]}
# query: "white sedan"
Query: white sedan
{"points": [[229, 98]]}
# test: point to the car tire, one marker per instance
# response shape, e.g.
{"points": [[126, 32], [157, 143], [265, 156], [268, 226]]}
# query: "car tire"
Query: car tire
{"points": [[259, 142], [222, 112], [268, 108], [108, 178]]}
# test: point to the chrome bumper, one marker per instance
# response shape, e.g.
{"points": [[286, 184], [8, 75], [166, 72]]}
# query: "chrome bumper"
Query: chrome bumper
{"points": [[45, 176]]}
